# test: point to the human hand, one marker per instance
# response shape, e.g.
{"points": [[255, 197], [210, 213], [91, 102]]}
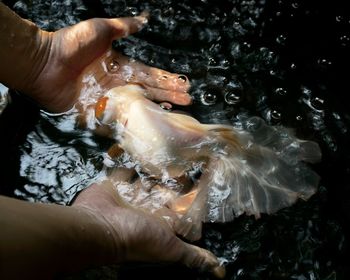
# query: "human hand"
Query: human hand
{"points": [[84, 50], [140, 236]]}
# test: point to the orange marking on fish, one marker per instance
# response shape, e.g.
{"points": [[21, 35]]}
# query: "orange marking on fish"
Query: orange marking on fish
{"points": [[100, 107]]}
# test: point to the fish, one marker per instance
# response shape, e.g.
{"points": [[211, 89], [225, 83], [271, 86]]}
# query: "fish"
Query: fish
{"points": [[253, 168]]}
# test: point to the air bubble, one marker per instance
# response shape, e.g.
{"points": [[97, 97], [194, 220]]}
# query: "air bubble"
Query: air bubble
{"points": [[162, 78], [281, 91], [306, 91], [165, 106], [324, 62], [232, 97], [295, 5], [246, 46], [113, 66], [344, 40], [317, 103], [299, 118], [208, 98], [183, 78], [339, 18], [275, 115], [281, 39]]}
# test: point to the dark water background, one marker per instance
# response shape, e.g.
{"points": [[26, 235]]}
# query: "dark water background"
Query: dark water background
{"points": [[286, 61]]}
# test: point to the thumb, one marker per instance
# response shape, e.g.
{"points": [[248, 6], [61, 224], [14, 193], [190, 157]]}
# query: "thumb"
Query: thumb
{"points": [[195, 257]]}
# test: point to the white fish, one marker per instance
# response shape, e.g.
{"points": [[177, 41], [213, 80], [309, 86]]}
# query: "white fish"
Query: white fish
{"points": [[258, 169]]}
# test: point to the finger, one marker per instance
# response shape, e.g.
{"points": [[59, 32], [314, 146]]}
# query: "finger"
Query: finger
{"points": [[138, 72], [175, 97], [195, 257], [162, 79], [122, 27], [162, 85]]}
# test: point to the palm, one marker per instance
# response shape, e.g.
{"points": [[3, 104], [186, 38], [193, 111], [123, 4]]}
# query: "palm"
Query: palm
{"points": [[140, 236], [73, 49], [82, 49]]}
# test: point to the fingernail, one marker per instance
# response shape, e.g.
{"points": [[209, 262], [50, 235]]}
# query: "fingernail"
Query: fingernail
{"points": [[145, 14], [186, 99], [219, 272], [142, 20]]}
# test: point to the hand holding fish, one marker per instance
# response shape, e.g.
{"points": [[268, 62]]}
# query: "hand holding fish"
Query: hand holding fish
{"points": [[252, 168], [49, 66], [48, 239], [140, 236], [53, 69], [258, 169]]}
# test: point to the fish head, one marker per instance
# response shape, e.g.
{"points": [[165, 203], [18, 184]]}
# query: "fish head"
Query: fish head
{"points": [[114, 106]]}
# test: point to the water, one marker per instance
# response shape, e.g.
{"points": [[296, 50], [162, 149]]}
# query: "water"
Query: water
{"points": [[4, 97], [285, 61]]}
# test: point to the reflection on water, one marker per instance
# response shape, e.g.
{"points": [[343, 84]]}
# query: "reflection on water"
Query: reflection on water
{"points": [[281, 60], [4, 97], [46, 164]]}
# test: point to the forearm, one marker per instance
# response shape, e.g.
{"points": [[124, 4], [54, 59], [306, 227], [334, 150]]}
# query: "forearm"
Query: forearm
{"points": [[43, 239], [24, 49]]}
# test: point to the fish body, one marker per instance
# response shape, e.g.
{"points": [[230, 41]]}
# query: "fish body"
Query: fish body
{"points": [[254, 169], [159, 140]]}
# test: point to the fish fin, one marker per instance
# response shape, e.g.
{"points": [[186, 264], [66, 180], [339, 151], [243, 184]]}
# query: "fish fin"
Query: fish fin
{"points": [[260, 170], [190, 224], [252, 171], [182, 203], [279, 139]]}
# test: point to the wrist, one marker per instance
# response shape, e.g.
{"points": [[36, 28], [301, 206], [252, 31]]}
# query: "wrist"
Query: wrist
{"points": [[37, 54], [60, 238], [24, 50]]}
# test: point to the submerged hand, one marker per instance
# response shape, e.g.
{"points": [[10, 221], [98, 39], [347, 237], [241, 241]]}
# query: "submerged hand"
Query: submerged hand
{"points": [[140, 236], [85, 49]]}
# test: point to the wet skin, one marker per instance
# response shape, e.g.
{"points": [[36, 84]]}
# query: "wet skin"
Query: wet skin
{"points": [[65, 71], [48, 67]]}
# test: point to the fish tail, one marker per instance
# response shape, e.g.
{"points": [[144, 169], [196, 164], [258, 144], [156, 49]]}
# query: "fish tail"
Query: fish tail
{"points": [[262, 170], [256, 169]]}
